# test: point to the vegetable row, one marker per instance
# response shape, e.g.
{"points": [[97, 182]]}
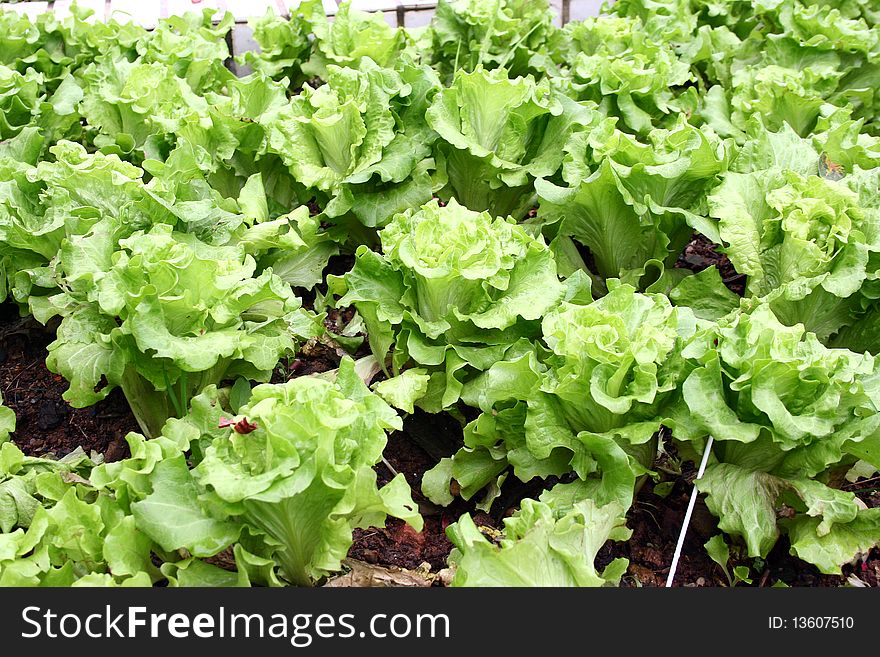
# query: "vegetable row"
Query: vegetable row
{"points": [[515, 197]]}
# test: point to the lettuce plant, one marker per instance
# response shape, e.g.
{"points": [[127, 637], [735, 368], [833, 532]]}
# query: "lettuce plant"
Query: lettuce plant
{"points": [[804, 56], [283, 482], [516, 35], [452, 288], [350, 37], [56, 47], [26, 103], [57, 532], [804, 240], [360, 139], [631, 202], [497, 135], [541, 546], [60, 528], [590, 402], [304, 478], [629, 75], [19, 100], [304, 46], [45, 204], [7, 421], [789, 417], [27, 241], [137, 106], [194, 47], [165, 315], [284, 45]]}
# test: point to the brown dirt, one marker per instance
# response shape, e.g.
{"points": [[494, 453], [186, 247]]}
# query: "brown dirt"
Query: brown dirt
{"points": [[397, 544], [45, 423], [700, 253]]}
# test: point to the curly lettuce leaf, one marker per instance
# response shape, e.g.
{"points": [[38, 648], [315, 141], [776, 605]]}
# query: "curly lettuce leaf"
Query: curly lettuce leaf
{"points": [[303, 478], [497, 135], [540, 547]]}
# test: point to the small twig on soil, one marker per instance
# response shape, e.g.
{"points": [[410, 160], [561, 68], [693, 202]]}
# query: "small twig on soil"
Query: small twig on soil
{"points": [[653, 517], [858, 484], [20, 372], [764, 577], [85, 435], [390, 467]]}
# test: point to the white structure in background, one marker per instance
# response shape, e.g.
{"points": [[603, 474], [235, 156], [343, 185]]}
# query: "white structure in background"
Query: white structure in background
{"points": [[409, 13]]}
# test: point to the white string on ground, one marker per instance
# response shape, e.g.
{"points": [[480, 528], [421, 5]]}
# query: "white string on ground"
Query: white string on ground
{"points": [[687, 516]]}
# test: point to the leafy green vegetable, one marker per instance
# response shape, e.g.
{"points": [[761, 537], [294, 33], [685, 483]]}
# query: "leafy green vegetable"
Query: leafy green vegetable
{"points": [[540, 548], [284, 44], [631, 202], [351, 38], [7, 421], [804, 241], [497, 135], [166, 315], [628, 74], [519, 198], [303, 478], [592, 405], [786, 412], [360, 139], [57, 532], [454, 288], [516, 35]]}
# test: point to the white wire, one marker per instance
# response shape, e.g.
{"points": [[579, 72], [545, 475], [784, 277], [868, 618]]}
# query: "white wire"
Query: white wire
{"points": [[687, 515]]}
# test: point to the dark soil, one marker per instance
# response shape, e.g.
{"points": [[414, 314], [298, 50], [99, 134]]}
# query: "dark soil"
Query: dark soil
{"points": [[45, 423], [701, 253], [397, 544], [656, 523]]}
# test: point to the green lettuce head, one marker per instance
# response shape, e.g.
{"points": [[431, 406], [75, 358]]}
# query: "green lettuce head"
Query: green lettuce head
{"points": [[789, 417], [801, 228], [167, 315], [516, 35], [300, 477], [633, 202], [542, 545], [359, 141], [629, 75], [590, 402], [352, 37], [452, 287], [498, 135]]}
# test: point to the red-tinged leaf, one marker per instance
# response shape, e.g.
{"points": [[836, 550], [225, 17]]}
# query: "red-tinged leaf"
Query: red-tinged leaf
{"points": [[243, 426]]}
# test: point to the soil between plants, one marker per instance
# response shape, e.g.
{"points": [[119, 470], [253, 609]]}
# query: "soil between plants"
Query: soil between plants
{"points": [[701, 253], [47, 425]]}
